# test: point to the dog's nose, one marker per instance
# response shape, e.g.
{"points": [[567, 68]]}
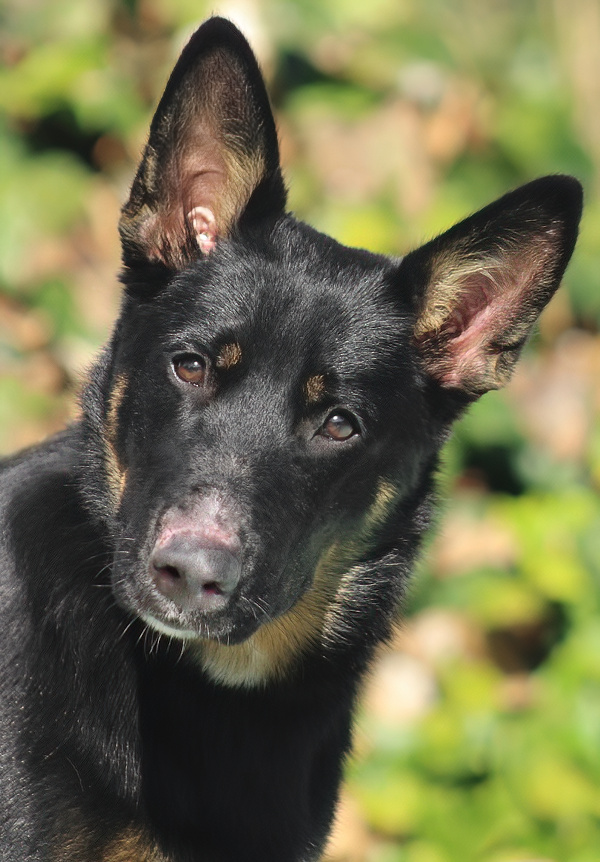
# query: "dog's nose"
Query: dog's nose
{"points": [[194, 574]]}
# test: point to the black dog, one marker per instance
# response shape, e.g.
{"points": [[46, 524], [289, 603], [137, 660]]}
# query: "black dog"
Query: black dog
{"points": [[195, 575]]}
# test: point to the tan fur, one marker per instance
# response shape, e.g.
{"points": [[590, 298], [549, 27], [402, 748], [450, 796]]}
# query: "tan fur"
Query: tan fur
{"points": [[244, 174], [131, 846], [314, 388], [80, 842], [386, 496], [449, 273], [229, 356], [117, 475], [272, 651]]}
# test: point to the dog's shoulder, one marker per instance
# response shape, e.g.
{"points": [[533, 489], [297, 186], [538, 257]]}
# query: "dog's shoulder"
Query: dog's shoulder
{"points": [[39, 507], [35, 487], [56, 455]]}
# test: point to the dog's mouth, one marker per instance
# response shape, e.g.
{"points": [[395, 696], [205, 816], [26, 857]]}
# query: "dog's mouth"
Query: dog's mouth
{"points": [[208, 604], [223, 630], [229, 620]]}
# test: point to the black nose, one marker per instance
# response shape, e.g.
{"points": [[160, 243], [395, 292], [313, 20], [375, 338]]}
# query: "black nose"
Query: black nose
{"points": [[193, 574]]}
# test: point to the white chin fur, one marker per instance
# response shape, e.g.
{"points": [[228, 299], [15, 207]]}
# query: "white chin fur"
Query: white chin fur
{"points": [[171, 631]]}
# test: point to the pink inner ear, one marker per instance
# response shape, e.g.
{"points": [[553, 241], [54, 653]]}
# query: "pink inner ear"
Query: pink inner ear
{"points": [[469, 328], [205, 228], [476, 294], [487, 318]]}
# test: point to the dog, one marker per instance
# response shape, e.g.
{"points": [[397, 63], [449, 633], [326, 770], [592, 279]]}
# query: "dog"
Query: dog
{"points": [[197, 572]]}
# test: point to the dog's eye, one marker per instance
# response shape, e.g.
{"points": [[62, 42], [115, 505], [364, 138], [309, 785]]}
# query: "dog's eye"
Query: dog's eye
{"points": [[190, 367], [339, 426]]}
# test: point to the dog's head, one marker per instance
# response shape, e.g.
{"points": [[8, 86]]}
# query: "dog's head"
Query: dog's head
{"points": [[272, 402]]}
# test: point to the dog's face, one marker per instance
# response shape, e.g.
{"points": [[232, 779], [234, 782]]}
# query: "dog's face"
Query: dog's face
{"points": [[272, 399], [257, 426]]}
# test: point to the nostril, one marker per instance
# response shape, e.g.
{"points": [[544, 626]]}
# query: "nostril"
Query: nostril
{"points": [[166, 578], [169, 572]]}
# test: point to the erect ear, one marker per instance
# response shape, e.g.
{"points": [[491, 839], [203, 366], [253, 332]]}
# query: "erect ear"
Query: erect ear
{"points": [[478, 289], [212, 155]]}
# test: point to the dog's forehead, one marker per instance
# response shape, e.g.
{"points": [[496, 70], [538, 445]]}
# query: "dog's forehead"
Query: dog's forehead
{"points": [[314, 296]]}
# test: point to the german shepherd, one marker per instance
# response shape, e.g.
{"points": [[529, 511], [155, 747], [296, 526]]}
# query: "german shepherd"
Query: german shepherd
{"points": [[196, 573]]}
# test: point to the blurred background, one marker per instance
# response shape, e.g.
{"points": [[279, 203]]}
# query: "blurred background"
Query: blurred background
{"points": [[479, 738]]}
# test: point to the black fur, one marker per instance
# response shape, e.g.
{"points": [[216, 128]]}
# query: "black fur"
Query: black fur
{"points": [[196, 574]]}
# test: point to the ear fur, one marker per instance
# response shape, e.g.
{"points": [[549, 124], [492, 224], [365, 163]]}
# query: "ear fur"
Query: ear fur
{"points": [[478, 289], [212, 154]]}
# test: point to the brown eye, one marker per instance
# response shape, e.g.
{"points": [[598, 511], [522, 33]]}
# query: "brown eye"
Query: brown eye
{"points": [[339, 426], [191, 368]]}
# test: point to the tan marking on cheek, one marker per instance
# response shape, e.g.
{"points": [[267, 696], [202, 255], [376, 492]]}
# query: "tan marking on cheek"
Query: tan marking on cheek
{"points": [[229, 356], [116, 477], [385, 499], [122, 485], [116, 474], [111, 425], [342, 555], [346, 555], [314, 388]]}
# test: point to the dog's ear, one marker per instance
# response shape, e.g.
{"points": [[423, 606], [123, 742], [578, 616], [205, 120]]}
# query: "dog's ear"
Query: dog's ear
{"points": [[479, 288], [212, 156]]}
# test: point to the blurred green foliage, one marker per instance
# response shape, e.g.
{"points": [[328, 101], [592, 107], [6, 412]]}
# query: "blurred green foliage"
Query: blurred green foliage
{"points": [[480, 735]]}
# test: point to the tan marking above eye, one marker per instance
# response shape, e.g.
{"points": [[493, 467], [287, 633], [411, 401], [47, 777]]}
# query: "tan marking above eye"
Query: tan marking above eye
{"points": [[314, 388], [229, 356]]}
